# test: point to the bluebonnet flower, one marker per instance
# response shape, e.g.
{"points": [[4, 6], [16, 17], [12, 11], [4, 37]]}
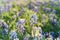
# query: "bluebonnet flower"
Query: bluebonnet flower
{"points": [[1, 8], [54, 21], [20, 12], [52, 4], [7, 7], [36, 9], [58, 4], [40, 33], [59, 33], [53, 0], [20, 25], [51, 16], [47, 10], [5, 1], [43, 16], [13, 35], [21, 21], [30, 6], [26, 38], [22, 9], [52, 34], [38, 0], [16, 39], [5, 31], [35, 38], [54, 11], [46, 34], [38, 3], [40, 29], [41, 36], [44, 3], [4, 25], [22, 29], [33, 19]]}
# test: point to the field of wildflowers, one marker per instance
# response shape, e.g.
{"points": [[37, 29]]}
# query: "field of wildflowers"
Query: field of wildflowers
{"points": [[26, 19]]}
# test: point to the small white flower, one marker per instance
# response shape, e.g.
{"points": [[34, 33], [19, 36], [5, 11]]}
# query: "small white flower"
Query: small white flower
{"points": [[14, 16], [16, 39]]}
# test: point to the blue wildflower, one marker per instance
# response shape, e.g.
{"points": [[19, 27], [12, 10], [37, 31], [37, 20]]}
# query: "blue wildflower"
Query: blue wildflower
{"points": [[35, 38], [52, 34], [22, 9], [46, 34], [54, 11], [51, 16], [47, 10], [5, 31], [21, 21], [36, 9], [58, 4], [59, 33], [44, 3], [13, 35], [30, 6], [16, 39], [54, 22], [1, 8], [52, 4], [40, 29], [5, 1], [4, 25], [20, 26], [25, 38], [33, 19]]}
